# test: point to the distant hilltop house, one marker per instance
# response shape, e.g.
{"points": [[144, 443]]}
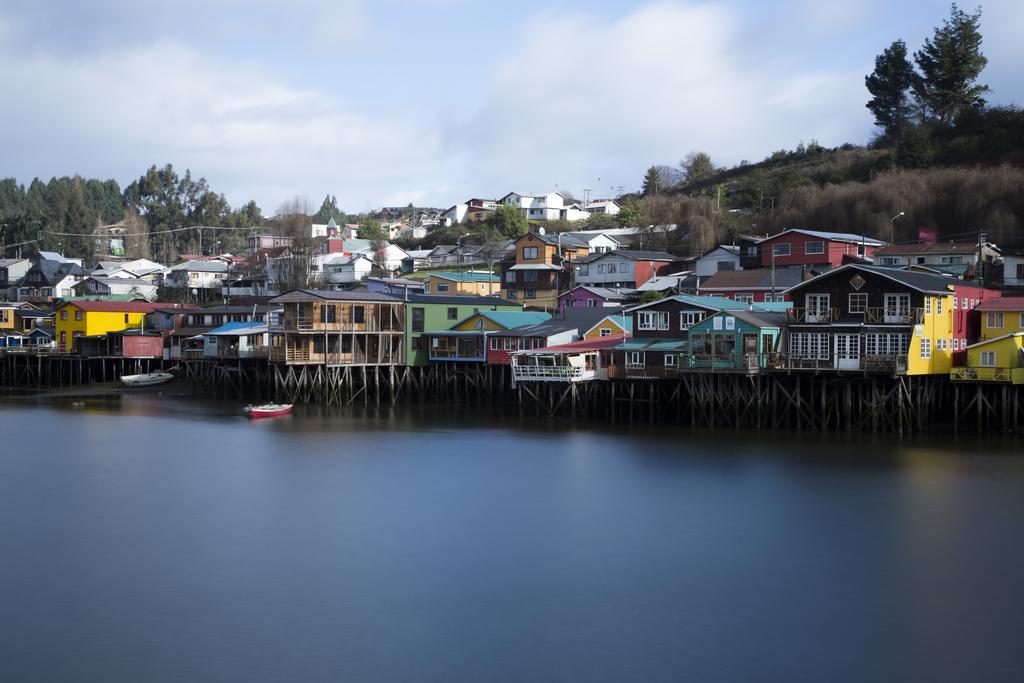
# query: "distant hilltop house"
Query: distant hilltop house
{"points": [[552, 206], [799, 247], [331, 229]]}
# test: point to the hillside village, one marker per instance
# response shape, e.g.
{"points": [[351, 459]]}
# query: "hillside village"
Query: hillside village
{"points": [[553, 306]]}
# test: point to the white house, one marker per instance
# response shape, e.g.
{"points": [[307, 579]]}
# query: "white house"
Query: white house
{"points": [[545, 207], [1013, 268], [342, 269], [237, 340], [598, 242], [416, 232], [606, 206], [722, 257], [95, 285], [454, 214], [198, 274]]}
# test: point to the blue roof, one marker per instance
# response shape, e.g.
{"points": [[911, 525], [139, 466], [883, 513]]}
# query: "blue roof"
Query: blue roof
{"points": [[239, 328], [720, 303], [510, 319], [466, 277]]}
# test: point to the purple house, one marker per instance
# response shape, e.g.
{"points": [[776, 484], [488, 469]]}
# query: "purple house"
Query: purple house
{"points": [[583, 296]]}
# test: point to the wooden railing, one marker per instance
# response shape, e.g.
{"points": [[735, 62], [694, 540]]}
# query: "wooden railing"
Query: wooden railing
{"points": [[812, 316], [893, 316]]}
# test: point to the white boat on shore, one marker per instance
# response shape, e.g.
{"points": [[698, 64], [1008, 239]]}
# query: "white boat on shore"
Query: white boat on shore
{"points": [[149, 379]]}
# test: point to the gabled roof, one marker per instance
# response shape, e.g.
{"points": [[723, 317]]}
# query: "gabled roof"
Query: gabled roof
{"points": [[544, 329], [833, 236], [238, 328], [731, 248], [332, 295], [715, 303], [757, 278], [215, 266], [922, 282], [586, 237], [1002, 303], [509, 319], [970, 248], [607, 293], [624, 322], [580, 346], [995, 339], [629, 254], [755, 318]]}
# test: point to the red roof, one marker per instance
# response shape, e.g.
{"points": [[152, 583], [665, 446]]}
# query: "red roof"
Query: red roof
{"points": [[116, 306], [588, 344], [1002, 303]]}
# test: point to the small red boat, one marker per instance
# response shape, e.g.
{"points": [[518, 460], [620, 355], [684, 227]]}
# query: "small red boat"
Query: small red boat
{"points": [[268, 410]]}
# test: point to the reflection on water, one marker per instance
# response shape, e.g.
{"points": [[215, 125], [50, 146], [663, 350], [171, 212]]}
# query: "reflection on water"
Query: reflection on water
{"points": [[152, 537]]}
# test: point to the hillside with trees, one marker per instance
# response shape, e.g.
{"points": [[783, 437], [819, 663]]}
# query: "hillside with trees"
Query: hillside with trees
{"points": [[942, 156]]}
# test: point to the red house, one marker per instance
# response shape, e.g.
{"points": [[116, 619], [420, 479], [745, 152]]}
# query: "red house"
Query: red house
{"points": [[797, 247], [760, 285]]}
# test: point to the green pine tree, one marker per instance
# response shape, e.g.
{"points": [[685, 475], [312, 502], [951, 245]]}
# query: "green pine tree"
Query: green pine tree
{"points": [[950, 63], [889, 85]]}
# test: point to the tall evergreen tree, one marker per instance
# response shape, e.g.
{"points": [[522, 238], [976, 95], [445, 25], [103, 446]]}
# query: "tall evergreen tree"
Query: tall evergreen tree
{"points": [[950, 63], [889, 85], [652, 182]]}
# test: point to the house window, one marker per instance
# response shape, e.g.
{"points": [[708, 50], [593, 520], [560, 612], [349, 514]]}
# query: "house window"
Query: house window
{"points": [[744, 298], [611, 268], [510, 276], [926, 348], [125, 318], [357, 314], [927, 305], [953, 260], [605, 332], [940, 344], [963, 304], [814, 248], [442, 288], [810, 345], [453, 313], [634, 359], [78, 315], [653, 320], [954, 303], [509, 344], [858, 302], [530, 294], [938, 306], [688, 319], [1021, 325], [670, 360], [994, 320], [889, 261], [818, 306], [988, 359], [780, 249], [774, 298], [495, 343], [329, 313], [592, 303], [583, 269], [63, 315], [511, 294], [529, 252]]}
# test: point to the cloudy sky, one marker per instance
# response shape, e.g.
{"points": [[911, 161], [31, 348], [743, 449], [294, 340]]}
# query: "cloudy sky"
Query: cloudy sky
{"points": [[388, 102]]}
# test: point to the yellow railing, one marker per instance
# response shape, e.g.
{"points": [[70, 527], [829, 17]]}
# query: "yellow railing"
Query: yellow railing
{"points": [[1012, 375]]}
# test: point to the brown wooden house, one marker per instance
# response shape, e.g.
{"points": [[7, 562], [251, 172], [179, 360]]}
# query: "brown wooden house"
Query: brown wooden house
{"points": [[537, 272]]}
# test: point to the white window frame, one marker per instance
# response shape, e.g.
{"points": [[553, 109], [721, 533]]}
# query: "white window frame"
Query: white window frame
{"points": [[926, 347], [634, 359], [988, 359], [604, 332], [860, 296], [670, 360], [688, 319], [991, 317], [778, 251], [652, 320], [927, 305], [495, 344], [744, 298], [807, 247]]}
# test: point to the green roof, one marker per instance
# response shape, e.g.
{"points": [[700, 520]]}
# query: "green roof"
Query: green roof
{"points": [[653, 345], [466, 277], [510, 319]]}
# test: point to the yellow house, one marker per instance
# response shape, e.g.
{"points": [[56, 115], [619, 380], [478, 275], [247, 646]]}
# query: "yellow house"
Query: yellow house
{"points": [[93, 318], [610, 326], [6, 317], [932, 344], [470, 283], [1001, 316], [1000, 359]]}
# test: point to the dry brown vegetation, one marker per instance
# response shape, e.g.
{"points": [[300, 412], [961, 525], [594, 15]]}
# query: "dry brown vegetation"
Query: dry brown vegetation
{"points": [[957, 202]]}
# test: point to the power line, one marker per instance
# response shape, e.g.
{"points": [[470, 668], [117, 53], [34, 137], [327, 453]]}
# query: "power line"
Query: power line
{"points": [[154, 232]]}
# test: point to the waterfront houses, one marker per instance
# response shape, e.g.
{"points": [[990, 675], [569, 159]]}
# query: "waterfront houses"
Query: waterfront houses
{"points": [[1000, 316], [236, 340], [586, 360], [879, 319], [338, 328], [466, 340], [758, 285], [426, 314], [77, 319], [734, 340], [956, 259]]}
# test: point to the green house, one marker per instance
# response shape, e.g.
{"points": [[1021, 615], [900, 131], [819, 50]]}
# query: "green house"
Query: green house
{"points": [[734, 340], [426, 313]]}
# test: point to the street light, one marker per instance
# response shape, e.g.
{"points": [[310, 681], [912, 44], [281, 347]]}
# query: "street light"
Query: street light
{"points": [[458, 248], [892, 226]]}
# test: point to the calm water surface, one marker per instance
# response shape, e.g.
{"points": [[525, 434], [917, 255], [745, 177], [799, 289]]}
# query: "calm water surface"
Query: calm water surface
{"points": [[150, 539]]}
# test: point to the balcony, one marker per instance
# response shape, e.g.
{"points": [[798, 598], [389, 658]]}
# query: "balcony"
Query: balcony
{"points": [[812, 315], [1007, 375], [893, 316]]}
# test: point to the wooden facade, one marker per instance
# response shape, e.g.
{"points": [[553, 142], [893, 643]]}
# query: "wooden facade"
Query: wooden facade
{"points": [[320, 327]]}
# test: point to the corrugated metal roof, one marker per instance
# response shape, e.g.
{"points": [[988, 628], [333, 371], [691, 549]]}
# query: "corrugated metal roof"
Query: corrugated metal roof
{"points": [[115, 306], [239, 328], [1002, 303], [834, 236], [466, 277]]}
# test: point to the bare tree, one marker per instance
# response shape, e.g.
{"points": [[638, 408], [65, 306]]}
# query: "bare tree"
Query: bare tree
{"points": [[295, 266]]}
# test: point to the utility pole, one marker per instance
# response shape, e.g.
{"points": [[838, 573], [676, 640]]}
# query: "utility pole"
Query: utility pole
{"points": [[982, 239]]}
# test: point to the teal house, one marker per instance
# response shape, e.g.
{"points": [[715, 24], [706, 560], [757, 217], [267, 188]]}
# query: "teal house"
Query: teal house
{"points": [[426, 313], [734, 340]]}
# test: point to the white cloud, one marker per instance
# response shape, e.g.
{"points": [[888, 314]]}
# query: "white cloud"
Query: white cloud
{"points": [[581, 99], [251, 136]]}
